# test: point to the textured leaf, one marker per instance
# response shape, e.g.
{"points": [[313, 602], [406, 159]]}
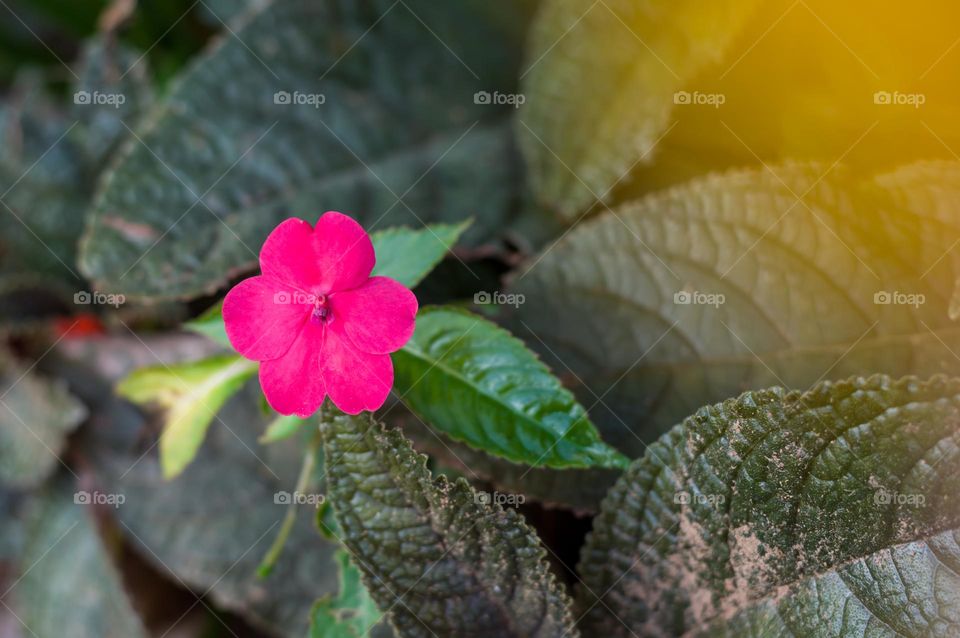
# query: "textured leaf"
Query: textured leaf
{"points": [[480, 385], [409, 255], [36, 415], [352, 613], [186, 208], [458, 566], [191, 394], [68, 582], [799, 281], [600, 78], [826, 513]]}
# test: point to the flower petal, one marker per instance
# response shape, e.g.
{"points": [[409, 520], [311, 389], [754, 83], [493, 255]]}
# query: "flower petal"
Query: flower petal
{"points": [[259, 325], [344, 253], [293, 384], [355, 380], [378, 316], [288, 254]]}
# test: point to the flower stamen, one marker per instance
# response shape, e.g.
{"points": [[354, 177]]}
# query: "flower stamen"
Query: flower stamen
{"points": [[321, 309]]}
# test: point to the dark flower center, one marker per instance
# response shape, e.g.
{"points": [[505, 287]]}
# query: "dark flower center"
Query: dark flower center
{"points": [[321, 309]]}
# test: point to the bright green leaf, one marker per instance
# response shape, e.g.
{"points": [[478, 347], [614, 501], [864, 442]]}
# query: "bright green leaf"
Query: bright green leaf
{"points": [[600, 82], [191, 394], [826, 513], [459, 564], [283, 427], [480, 385], [352, 613], [409, 255], [210, 325]]}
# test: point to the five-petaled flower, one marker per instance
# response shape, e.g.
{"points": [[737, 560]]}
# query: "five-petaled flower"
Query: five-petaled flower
{"points": [[316, 320]]}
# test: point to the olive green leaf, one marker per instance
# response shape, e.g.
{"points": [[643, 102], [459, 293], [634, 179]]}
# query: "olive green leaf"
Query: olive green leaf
{"points": [[480, 385], [191, 394], [600, 81], [314, 93], [830, 512], [436, 555]]}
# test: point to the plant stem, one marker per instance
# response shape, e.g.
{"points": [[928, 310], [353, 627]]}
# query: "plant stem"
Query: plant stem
{"points": [[303, 482]]}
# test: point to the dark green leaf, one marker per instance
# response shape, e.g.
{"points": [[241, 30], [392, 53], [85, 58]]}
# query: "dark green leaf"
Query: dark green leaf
{"points": [[36, 415], [437, 557], [799, 281], [825, 513], [242, 140], [69, 584], [480, 385]]}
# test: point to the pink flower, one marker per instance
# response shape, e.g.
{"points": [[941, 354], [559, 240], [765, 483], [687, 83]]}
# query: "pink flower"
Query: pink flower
{"points": [[316, 320]]}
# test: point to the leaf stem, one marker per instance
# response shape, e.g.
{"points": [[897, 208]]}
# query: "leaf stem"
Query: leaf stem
{"points": [[303, 481]]}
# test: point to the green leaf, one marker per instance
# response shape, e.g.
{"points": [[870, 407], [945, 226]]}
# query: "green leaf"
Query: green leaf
{"points": [[67, 578], [36, 415], [352, 613], [480, 385], [798, 279], [189, 202], [409, 255], [283, 427], [828, 512], [600, 80], [439, 558], [191, 394], [210, 325]]}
